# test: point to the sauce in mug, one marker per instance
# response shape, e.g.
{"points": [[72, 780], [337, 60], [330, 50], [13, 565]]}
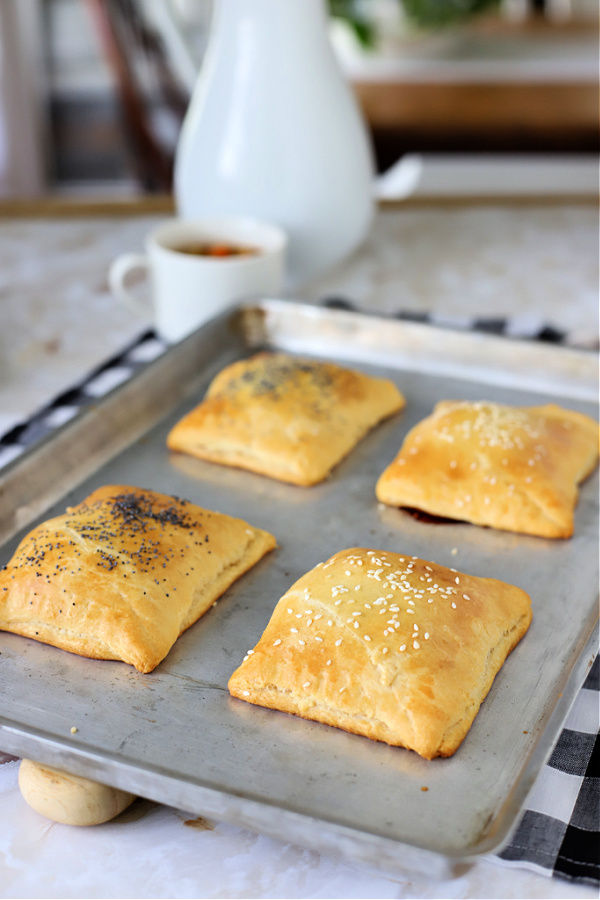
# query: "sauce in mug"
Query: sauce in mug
{"points": [[215, 249]]}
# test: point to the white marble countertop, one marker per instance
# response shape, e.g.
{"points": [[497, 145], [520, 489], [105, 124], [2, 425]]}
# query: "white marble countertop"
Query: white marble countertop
{"points": [[58, 321]]}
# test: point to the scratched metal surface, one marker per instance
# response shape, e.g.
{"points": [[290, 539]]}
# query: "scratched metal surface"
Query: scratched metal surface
{"points": [[177, 737]]}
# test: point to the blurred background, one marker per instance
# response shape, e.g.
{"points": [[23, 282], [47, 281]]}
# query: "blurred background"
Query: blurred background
{"points": [[93, 92]]}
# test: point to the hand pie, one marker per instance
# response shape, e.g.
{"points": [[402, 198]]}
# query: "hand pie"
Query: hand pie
{"points": [[391, 647], [124, 573], [512, 468], [292, 419]]}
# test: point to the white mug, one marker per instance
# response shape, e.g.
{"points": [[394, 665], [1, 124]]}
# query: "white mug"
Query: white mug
{"points": [[187, 289]]}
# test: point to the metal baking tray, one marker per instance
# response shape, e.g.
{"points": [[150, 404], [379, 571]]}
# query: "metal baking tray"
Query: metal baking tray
{"points": [[176, 736]]}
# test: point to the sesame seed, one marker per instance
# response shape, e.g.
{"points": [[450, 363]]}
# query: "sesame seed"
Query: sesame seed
{"points": [[303, 643], [384, 650], [367, 638], [320, 639], [342, 689], [328, 662], [457, 580], [416, 645], [466, 597], [277, 642], [306, 684], [454, 606], [338, 642], [294, 630], [402, 648], [246, 693]]}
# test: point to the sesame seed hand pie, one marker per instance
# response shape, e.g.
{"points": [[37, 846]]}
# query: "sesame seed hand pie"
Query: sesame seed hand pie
{"points": [[288, 418], [512, 468], [391, 647], [124, 573]]}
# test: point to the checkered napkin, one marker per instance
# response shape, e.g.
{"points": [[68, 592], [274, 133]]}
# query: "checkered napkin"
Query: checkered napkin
{"points": [[98, 383], [559, 833], [560, 830], [527, 326]]}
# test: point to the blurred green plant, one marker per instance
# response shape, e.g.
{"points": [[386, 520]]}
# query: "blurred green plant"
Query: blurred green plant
{"points": [[423, 14]]}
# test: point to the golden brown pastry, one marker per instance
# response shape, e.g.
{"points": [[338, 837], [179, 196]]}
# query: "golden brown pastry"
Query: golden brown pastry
{"points": [[292, 419], [512, 468], [391, 647], [124, 573]]}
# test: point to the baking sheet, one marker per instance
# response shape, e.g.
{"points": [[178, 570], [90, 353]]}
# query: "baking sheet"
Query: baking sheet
{"points": [[176, 736]]}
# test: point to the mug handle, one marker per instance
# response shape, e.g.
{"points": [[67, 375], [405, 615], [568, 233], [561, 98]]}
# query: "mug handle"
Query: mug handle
{"points": [[118, 272]]}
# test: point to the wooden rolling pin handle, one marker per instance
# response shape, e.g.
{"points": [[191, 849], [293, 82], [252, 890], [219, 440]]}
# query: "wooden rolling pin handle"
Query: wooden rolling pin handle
{"points": [[69, 799]]}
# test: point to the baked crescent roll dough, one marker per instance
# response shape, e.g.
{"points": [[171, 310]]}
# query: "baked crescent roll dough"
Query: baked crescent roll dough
{"points": [[292, 419], [512, 468], [391, 647], [124, 573]]}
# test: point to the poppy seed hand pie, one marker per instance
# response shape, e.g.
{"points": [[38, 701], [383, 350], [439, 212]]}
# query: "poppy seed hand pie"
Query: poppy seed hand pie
{"points": [[288, 418], [124, 573], [512, 468], [391, 647]]}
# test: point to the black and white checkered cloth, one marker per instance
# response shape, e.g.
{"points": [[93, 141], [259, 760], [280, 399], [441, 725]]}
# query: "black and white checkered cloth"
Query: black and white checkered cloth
{"points": [[559, 832], [115, 371]]}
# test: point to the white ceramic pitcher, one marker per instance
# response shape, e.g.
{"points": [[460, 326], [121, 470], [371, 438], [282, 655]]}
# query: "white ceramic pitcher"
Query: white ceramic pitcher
{"points": [[273, 131]]}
